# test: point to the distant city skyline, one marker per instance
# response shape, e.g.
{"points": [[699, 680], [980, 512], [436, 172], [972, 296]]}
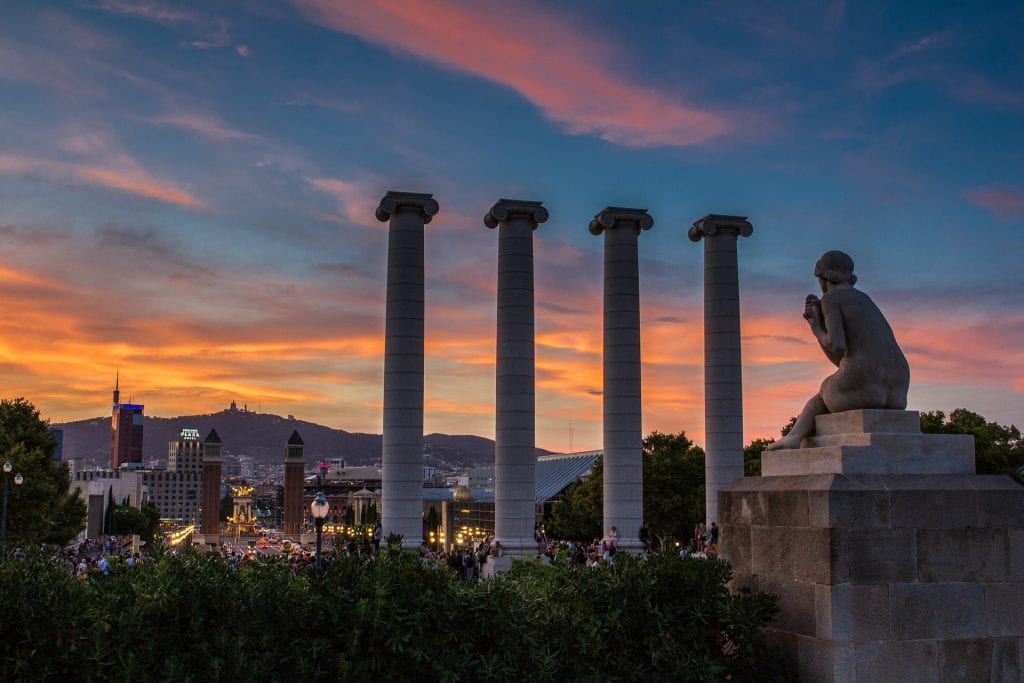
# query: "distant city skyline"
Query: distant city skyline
{"points": [[187, 192]]}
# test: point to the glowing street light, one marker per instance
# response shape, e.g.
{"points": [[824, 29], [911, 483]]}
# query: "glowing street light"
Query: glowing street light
{"points": [[18, 481], [319, 508]]}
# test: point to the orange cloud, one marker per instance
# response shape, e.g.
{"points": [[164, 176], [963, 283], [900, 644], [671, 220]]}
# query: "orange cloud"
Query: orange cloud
{"points": [[544, 57]]}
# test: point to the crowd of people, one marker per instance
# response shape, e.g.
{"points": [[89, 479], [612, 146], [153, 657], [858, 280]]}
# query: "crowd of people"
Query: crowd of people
{"points": [[98, 555]]}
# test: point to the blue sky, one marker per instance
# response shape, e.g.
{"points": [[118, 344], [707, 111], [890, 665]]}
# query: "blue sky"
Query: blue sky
{"points": [[187, 190]]}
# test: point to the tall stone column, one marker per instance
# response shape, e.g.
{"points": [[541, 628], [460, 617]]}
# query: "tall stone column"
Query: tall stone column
{"points": [[209, 524], [294, 475], [723, 376], [402, 487], [623, 420], [515, 457]]}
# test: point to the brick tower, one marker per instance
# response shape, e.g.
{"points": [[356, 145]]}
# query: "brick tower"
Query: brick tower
{"points": [[294, 472]]}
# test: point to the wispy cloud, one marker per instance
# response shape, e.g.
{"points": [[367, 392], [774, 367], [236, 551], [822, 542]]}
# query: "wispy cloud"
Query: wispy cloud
{"points": [[354, 199], [204, 125], [559, 69], [1005, 203], [132, 179], [209, 32]]}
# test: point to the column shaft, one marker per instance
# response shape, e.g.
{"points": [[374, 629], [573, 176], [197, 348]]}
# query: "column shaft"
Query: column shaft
{"points": [[723, 384], [402, 448], [515, 456], [623, 418]]}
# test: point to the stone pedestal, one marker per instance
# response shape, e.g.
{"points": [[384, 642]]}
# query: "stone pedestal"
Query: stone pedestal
{"points": [[891, 559], [623, 415]]}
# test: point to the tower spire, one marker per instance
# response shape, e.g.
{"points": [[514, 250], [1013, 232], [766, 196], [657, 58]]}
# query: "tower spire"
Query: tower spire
{"points": [[117, 386]]}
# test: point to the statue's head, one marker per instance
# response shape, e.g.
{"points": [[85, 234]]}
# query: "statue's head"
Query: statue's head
{"points": [[835, 267]]}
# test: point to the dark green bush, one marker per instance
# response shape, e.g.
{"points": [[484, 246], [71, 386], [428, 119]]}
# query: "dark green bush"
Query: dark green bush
{"points": [[190, 618]]}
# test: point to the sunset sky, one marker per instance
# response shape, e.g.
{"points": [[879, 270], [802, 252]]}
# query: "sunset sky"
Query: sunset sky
{"points": [[187, 191]]}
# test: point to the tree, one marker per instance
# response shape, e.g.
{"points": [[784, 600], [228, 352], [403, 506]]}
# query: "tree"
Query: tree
{"points": [[673, 494], [752, 456], [144, 522], [753, 450], [42, 510], [108, 515], [997, 449], [227, 506], [578, 514], [432, 519], [674, 486]]}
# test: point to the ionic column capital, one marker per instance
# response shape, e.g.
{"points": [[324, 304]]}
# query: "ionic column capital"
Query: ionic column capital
{"points": [[617, 217], [400, 202], [505, 209], [713, 223]]}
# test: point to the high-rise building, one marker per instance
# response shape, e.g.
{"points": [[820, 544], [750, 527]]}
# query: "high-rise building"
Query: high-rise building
{"points": [[125, 430], [176, 491], [185, 454], [58, 435]]}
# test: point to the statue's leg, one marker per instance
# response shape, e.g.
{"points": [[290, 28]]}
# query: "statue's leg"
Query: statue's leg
{"points": [[804, 424]]}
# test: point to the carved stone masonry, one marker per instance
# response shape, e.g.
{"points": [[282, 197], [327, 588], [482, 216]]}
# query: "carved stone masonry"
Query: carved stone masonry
{"points": [[623, 435], [402, 449], [515, 426]]}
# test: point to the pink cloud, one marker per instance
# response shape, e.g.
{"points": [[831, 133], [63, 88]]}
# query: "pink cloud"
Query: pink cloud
{"points": [[355, 200], [1005, 203], [544, 57], [132, 179]]}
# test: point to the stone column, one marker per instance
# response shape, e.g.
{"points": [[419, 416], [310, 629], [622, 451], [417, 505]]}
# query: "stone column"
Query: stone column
{"points": [[294, 474], [515, 457], [623, 422], [209, 524], [402, 453], [723, 377]]}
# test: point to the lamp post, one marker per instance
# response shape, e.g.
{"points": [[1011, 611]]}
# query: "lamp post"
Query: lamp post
{"points": [[18, 480], [319, 509]]}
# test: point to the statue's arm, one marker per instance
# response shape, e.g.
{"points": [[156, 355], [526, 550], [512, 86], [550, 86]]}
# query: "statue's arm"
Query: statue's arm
{"points": [[827, 326]]}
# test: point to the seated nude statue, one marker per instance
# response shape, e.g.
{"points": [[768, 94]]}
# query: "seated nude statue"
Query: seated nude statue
{"points": [[853, 333]]}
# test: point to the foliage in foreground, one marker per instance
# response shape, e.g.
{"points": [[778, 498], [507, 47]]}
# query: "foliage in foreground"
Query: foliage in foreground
{"points": [[191, 618], [42, 509]]}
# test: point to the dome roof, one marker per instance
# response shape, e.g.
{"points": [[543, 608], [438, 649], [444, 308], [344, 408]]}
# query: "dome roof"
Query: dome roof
{"points": [[462, 493]]}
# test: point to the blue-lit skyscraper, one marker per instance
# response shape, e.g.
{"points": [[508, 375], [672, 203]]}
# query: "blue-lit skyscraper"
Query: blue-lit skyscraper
{"points": [[125, 430]]}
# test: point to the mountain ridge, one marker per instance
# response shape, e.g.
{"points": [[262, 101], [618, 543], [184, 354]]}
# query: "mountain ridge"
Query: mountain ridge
{"points": [[263, 435]]}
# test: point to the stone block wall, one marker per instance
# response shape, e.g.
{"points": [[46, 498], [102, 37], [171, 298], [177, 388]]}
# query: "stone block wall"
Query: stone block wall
{"points": [[886, 577]]}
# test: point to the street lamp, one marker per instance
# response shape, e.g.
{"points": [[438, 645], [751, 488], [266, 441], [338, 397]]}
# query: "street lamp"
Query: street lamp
{"points": [[18, 480], [319, 509]]}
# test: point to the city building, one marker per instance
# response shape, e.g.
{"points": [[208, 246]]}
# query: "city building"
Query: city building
{"points": [[467, 515], [125, 431], [175, 491], [98, 486], [267, 505], [58, 435]]}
